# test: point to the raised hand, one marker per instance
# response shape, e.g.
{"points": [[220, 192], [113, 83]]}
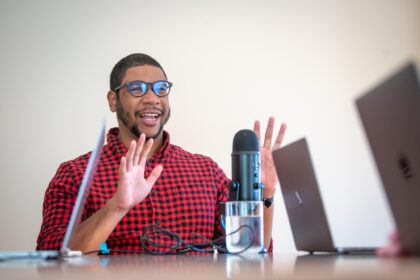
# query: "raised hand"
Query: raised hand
{"points": [[268, 170], [133, 187]]}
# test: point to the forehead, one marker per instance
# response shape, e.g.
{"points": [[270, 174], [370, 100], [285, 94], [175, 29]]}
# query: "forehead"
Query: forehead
{"points": [[147, 73]]}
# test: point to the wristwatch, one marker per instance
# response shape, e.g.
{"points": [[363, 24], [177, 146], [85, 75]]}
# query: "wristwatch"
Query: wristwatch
{"points": [[268, 201]]}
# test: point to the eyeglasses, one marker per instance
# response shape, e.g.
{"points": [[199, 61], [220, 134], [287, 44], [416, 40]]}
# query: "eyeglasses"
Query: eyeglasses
{"points": [[139, 88]]}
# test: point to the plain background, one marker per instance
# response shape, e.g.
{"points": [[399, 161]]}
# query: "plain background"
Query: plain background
{"points": [[231, 62]]}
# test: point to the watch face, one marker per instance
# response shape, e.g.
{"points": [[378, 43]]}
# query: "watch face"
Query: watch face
{"points": [[268, 201]]}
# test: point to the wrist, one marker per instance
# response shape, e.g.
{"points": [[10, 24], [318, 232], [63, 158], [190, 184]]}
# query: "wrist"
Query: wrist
{"points": [[269, 190], [268, 193], [113, 207]]}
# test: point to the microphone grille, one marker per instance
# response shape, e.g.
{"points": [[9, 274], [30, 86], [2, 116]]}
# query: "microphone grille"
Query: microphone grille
{"points": [[245, 140]]}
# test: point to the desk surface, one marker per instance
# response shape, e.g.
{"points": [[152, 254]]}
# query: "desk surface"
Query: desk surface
{"points": [[244, 266]]}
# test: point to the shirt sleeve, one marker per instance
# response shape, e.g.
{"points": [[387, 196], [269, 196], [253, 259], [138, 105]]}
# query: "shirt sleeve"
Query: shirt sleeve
{"points": [[59, 200]]}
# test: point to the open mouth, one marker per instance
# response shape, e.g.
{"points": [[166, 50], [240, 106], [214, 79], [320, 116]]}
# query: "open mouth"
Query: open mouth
{"points": [[149, 116]]}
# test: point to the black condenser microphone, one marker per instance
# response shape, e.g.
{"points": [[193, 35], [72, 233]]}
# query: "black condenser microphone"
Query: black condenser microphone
{"points": [[246, 179]]}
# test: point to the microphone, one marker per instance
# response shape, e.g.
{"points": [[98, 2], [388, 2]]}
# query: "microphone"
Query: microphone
{"points": [[246, 173]]}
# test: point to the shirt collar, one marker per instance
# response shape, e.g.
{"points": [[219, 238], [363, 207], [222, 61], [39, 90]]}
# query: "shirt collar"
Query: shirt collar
{"points": [[120, 150]]}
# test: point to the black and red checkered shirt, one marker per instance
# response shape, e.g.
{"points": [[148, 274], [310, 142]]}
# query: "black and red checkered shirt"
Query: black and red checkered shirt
{"points": [[184, 199]]}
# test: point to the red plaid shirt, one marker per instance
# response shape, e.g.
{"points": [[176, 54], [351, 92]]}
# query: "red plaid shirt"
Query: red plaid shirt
{"points": [[184, 199]]}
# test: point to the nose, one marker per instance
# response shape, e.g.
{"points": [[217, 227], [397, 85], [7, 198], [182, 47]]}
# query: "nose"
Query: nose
{"points": [[150, 97]]}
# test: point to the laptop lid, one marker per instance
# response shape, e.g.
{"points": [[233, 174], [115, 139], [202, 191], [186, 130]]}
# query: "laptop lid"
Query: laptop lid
{"points": [[83, 191], [78, 207], [302, 198], [390, 114]]}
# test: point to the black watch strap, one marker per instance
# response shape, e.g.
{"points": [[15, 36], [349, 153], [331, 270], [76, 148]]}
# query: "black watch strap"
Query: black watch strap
{"points": [[268, 201]]}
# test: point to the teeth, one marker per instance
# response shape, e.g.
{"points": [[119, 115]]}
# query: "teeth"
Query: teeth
{"points": [[149, 115]]}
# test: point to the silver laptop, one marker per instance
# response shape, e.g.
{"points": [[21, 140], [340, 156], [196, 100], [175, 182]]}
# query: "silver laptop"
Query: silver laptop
{"points": [[390, 113], [65, 251], [304, 205]]}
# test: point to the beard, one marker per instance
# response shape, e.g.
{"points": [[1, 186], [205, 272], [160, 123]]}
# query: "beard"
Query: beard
{"points": [[124, 117]]}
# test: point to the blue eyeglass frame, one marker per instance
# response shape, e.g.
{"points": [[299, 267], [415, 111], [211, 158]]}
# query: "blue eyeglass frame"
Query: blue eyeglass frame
{"points": [[155, 86]]}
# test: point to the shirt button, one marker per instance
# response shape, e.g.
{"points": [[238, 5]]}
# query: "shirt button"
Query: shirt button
{"points": [[157, 222]]}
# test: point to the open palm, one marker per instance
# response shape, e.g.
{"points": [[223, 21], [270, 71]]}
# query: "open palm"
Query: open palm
{"points": [[133, 187], [268, 170]]}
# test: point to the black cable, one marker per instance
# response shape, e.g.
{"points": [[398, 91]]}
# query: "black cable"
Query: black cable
{"points": [[180, 246]]}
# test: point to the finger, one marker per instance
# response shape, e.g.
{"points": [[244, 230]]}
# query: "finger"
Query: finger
{"points": [[123, 170], [154, 175], [139, 148], [145, 151], [130, 154], [257, 130], [280, 136], [269, 133]]}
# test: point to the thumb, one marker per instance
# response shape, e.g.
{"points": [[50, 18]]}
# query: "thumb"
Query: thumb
{"points": [[154, 175]]}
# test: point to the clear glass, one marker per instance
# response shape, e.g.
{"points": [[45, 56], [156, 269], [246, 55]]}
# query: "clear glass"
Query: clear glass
{"points": [[244, 226]]}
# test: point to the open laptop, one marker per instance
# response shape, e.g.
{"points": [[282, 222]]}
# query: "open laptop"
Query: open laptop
{"points": [[65, 251], [304, 206], [390, 113]]}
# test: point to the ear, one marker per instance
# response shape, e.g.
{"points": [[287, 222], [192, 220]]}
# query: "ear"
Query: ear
{"points": [[112, 100]]}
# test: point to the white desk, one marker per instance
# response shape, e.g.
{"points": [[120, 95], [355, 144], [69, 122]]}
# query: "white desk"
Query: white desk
{"points": [[183, 267]]}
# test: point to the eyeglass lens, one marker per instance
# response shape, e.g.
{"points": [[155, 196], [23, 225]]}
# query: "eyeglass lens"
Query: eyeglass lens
{"points": [[139, 88]]}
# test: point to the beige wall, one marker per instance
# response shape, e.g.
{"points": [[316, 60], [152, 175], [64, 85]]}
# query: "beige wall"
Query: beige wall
{"points": [[303, 62]]}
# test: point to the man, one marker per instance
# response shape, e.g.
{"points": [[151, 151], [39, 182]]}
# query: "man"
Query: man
{"points": [[142, 179]]}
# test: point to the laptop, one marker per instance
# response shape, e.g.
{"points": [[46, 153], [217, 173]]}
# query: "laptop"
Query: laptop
{"points": [[304, 205], [65, 251], [390, 114]]}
